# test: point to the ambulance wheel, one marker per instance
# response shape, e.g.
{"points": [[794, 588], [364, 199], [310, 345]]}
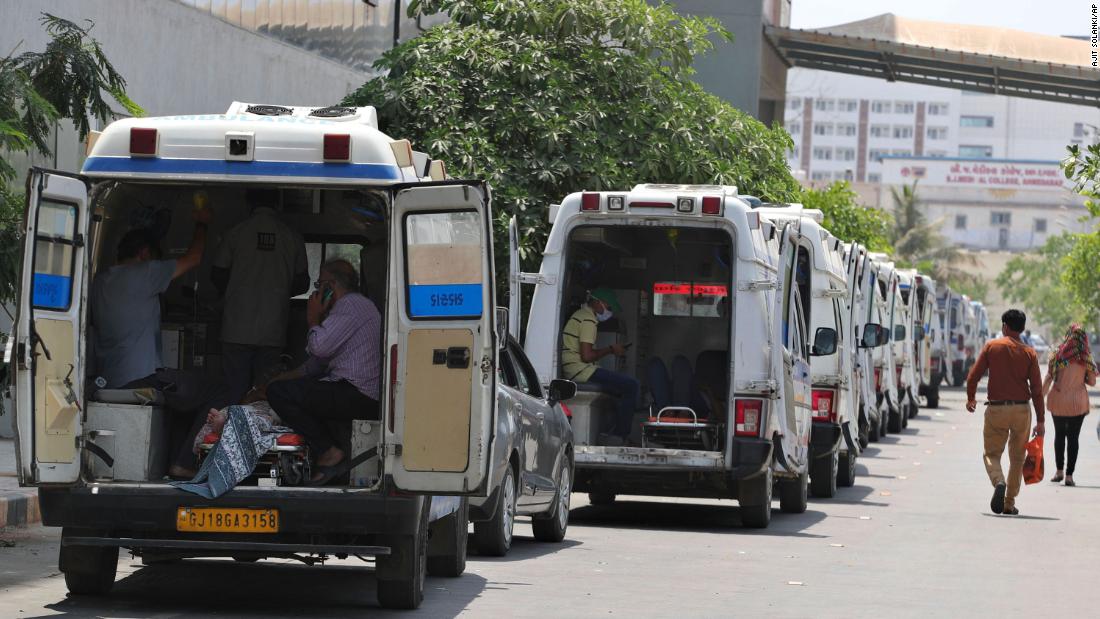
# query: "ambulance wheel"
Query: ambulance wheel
{"points": [[447, 543], [846, 470], [493, 537], [932, 396], [906, 413], [794, 494], [895, 420], [89, 570], [823, 475], [401, 574], [874, 432], [914, 407], [884, 423], [601, 497], [551, 526], [755, 498]]}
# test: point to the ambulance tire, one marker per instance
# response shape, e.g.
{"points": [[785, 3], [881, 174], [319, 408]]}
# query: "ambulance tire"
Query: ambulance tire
{"points": [[755, 498], [794, 494], [493, 537], [823, 475], [447, 543], [89, 570], [874, 432], [914, 407], [932, 396], [401, 574], [884, 423], [906, 413], [846, 470]]}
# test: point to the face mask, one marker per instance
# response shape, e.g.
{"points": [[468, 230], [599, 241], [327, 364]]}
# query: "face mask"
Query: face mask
{"points": [[604, 316]]}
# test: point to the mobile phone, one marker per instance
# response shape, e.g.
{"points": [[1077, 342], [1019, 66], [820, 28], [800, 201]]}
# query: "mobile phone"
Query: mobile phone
{"points": [[628, 344], [326, 295]]}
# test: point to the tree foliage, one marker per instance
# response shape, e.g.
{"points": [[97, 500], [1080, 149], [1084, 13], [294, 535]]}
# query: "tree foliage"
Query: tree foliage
{"points": [[918, 243], [71, 79], [1081, 275], [847, 219], [1038, 281], [547, 97]]}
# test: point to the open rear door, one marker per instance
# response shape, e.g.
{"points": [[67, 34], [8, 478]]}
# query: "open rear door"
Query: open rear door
{"points": [[789, 366], [47, 356], [515, 303], [440, 375]]}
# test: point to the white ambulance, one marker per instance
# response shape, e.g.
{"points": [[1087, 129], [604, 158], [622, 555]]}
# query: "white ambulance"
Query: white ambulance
{"points": [[885, 306], [423, 247], [865, 323], [924, 321], [943, 345], [823, 283], [906, 341], [716, 333]]}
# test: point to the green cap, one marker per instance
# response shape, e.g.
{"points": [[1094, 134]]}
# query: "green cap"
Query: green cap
{"points": [[607, 295]]}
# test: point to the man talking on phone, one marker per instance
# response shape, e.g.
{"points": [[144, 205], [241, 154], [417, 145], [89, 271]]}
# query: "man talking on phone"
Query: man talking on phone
{"points": [[340, 380], [579, 356]]}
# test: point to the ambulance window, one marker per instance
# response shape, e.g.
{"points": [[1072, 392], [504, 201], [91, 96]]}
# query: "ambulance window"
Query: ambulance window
{"points": [[443, 265], [697, 300], [53, 255]]}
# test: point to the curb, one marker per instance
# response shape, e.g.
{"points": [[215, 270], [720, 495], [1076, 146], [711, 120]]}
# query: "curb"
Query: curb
{"points": [[19, 508]]}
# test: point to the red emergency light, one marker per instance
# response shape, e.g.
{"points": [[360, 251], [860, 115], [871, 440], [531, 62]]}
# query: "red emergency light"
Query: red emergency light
{"points": [[337, 147], [590, 202], [712, 205], [143, 142]]}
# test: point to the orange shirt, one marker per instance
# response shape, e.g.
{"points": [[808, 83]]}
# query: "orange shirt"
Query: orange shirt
{"points": [[1013, 373]]}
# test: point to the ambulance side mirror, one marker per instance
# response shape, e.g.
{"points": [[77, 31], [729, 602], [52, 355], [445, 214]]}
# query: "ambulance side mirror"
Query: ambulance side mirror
{"points": [[502, 327], [872, 336], [899, 333], [824, 342]]}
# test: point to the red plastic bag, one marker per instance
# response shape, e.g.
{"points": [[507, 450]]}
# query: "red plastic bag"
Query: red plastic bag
{"points": [[1033, 464]]}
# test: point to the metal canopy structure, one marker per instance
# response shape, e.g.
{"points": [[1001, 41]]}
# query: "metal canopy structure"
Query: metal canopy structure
{"points": [[873, 48]]}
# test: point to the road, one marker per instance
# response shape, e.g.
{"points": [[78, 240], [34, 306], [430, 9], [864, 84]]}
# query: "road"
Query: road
{"points": [[913, 538]]}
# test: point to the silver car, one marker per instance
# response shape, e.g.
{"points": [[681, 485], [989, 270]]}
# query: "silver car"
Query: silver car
{"points": [[533, 458]]}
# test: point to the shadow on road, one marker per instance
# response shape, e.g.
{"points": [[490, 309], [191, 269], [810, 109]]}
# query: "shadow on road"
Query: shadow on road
{"points": [[855, 495], [1020, 517], [691, 517], [523, 548], [206, 587]]}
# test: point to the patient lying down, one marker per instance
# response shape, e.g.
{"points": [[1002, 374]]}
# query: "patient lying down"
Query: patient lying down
{"points": [[215, 419]]}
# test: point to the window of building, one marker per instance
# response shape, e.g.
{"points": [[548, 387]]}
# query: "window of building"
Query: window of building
{"points": [[960, 222], [847, 105], [880, 131], [819, 175], [874, 177], [823, 153], [825, 105], [904, 107], [1000, 218], [901, 152], [936, 133], [937, 109], [971, 151], [823, 128], [975, 121], [845, 154], [903, 131], [876, 154], [936, 153], [880, 107], [1041, 225], [794, 128], [794, 103], [846, 129]]}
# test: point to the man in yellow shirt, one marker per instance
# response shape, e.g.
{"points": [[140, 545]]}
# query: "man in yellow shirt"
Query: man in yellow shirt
{"points": [[579, 356]]}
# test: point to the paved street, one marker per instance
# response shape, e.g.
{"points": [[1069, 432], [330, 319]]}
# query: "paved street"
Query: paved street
{"points": [[914, 537]]}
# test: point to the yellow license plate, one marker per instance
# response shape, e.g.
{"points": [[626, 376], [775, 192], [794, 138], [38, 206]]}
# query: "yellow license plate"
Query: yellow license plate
{"points": [[227, 520]]}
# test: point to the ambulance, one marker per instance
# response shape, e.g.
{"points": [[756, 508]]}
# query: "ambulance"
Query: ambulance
{"points": [[861, 300], [886, 307], [824, 287], [944, 352], [715, 328], [423, 247], [924, 321], [906, 341]]}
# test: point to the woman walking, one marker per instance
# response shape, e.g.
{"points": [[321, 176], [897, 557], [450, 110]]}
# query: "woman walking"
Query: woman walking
{"points": [[1068, 373]]}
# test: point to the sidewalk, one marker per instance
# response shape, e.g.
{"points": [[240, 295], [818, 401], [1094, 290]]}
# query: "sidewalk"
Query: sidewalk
{"points": [[18, 506]]}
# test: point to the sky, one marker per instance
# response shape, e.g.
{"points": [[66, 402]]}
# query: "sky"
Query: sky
{"points": [[1056, 17]]}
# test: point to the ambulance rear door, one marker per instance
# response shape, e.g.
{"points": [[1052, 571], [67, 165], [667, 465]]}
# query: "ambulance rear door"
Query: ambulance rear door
{"points": [[440, 372], [45, 354]]}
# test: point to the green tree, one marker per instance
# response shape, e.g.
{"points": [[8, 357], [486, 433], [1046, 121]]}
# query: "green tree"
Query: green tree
{"points": [[70, 79], [546, 97], [1081, 275], [918, 243], [1036, 280], [848, 220]]}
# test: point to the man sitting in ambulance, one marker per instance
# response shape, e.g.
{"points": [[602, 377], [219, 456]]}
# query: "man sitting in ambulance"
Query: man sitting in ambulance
{"points": [[340, 380], [579, 356], [125, 315]]}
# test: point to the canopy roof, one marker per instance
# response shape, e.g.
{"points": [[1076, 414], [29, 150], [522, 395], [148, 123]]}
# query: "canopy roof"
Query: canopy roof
{"points": [[980, 58]]}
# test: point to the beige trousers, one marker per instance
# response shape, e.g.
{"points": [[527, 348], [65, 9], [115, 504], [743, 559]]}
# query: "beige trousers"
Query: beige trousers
{"points": [[1007, 425]]}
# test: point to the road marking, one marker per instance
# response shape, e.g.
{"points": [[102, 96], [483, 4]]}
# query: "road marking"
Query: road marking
{"points": [[797, 583]]}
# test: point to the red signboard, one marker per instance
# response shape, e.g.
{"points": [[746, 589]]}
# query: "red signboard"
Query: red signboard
{"points": [[697, 290]]}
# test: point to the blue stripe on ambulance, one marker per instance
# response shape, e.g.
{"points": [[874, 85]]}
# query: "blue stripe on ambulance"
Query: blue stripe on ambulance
{"points": [[137, 165]]}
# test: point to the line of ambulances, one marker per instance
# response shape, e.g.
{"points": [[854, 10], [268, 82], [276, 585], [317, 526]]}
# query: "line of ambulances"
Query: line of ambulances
{"points": [[768, 351]]}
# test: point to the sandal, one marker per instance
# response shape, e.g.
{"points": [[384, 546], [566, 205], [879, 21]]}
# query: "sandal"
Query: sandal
{"points": [[1070, 482], [1057, 478]]}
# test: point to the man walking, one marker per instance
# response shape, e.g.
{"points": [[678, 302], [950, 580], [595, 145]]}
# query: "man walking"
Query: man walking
{"points": [[1014, 380]]}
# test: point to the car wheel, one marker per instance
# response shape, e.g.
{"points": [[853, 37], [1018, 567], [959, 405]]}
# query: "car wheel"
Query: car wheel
{"points": [[794, 494], [756, 500], [401, 574], [601, 497], [89, 570], [551, 527], [874, 432], [846, 470], [447, 543], [493, 537], [933, 396], [823, 475]]}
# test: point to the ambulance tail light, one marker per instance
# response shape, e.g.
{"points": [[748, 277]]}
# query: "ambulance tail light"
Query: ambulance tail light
{"points": [[748, 416], [590, 202], [824, 403], [712, 205], [878, 379], [393, 386], [143, 142], [337, 147]]}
